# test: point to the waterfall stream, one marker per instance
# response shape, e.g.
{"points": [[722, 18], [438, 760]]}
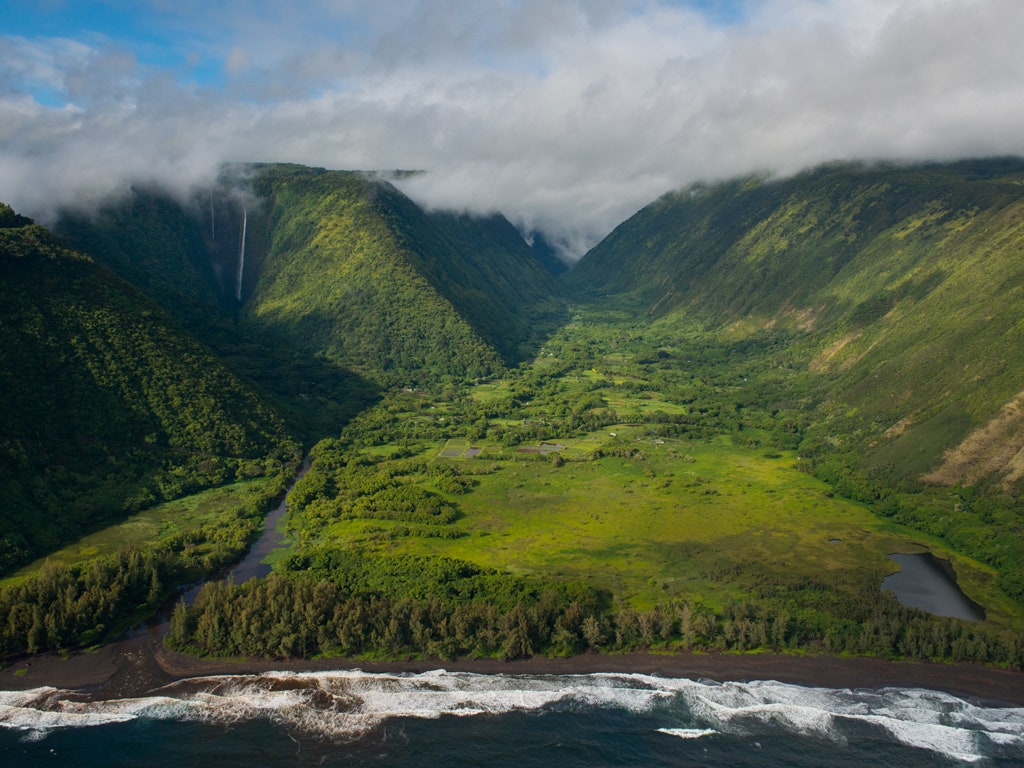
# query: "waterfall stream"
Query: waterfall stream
{"points": [[241, 257]]}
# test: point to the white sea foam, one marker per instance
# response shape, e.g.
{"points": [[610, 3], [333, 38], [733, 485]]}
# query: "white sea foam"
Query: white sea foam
{"points": [[922, 719], [958, 743], [42, 710], [345, 704], [688, 733]]}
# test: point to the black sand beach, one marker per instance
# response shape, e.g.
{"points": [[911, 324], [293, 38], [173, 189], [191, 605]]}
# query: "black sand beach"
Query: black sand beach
{"points": [[141, 664]]}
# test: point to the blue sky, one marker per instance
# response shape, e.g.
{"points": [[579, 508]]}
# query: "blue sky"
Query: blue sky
{"points": [[193, 41], [563, 114]]}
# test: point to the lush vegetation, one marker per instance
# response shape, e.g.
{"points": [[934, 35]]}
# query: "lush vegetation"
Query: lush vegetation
{"points": [[153, 242], [184, 256], [83, 598], [357, 273], [347, 284], [652, 463], [338, 602], [875, 274], [111, 408], [108, 406], [163, 522], [287, 617], [880, 270], [755, 392]]}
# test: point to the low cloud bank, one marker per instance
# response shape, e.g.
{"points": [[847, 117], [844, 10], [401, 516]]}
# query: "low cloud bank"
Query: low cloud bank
{"points": [[567, 117]]}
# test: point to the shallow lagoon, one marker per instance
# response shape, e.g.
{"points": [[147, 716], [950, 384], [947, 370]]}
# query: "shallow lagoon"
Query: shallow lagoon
{"points": [[926, 582]]}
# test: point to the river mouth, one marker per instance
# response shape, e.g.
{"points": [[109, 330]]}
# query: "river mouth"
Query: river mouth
{"points": [[929, 583]]}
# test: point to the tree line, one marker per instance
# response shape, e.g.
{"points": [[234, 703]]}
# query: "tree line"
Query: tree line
{"points": [[286, 616], [70, 606]]}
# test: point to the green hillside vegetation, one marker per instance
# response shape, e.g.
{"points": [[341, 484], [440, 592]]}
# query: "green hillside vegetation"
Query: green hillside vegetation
{"points": [[184, 256], [879, 269], [347, 284], [898, 290], [500, 286], [108, 406], [116, 431], [92, 592], [754, 392], [156, 244], [547, 254], [336, 282], [355, 271], [158, 524]]}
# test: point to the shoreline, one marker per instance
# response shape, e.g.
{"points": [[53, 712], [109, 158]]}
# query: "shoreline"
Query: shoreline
{"points": [[140, 665]]}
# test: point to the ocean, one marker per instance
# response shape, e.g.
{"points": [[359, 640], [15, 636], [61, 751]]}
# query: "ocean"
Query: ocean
{"points": [[352, 718]]}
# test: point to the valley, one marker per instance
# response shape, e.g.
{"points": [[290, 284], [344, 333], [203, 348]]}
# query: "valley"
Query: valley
{"points": [[707, 435]]}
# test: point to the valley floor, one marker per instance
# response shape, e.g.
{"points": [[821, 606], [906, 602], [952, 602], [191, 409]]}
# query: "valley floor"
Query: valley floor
{"points": [[631, 487]]}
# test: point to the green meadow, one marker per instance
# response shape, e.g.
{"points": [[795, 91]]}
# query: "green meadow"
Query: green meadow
{"points": [[688, 520], [663, 471], [152, 526]]}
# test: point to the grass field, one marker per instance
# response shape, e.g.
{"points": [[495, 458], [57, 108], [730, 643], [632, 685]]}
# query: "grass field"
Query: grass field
{"points": [[150, 526], [700, 520]]}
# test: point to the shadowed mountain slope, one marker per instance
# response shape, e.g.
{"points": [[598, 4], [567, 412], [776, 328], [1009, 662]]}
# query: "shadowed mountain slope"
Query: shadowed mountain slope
{"points": [[355, 271], [158, 245], [339, 266], [108, 405]]}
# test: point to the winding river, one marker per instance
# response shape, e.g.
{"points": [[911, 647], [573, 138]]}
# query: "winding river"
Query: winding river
{"points": [[252, 564]]}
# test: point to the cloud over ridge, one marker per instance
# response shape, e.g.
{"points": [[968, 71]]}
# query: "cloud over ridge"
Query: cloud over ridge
{"points": [[566, 116]]}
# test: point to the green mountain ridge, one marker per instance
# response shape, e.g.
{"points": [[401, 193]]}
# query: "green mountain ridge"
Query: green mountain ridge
{"points": [[339, 264], [108, 405], [899, 286], [358, 272]]}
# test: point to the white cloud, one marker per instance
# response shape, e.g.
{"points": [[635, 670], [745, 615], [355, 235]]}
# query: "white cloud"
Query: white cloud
{"points": [[237, 61], [564, 115]]}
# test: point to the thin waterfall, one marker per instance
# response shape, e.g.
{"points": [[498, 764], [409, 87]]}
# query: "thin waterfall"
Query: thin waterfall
{"points": [[241, 256], [213, 220]]}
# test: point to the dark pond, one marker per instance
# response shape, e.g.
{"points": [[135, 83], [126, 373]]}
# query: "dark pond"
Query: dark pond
{"points": [[926, 582]]}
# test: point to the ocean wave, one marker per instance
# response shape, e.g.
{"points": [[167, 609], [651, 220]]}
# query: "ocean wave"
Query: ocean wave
{"points": [[917, 718], [688, 733], [347, 704]]}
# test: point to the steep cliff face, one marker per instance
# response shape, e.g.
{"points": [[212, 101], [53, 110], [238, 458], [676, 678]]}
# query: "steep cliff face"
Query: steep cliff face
{"points": [[337, 264]]}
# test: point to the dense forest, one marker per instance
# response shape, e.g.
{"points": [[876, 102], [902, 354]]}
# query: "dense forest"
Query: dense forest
{"points": [[288, 617], [109, 407]]}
